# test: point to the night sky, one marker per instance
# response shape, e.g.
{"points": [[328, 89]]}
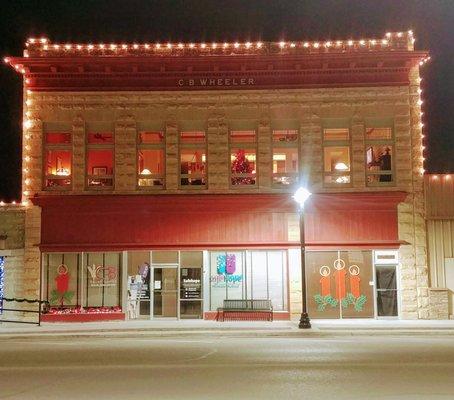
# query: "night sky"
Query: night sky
{"points": [[214, 20]]}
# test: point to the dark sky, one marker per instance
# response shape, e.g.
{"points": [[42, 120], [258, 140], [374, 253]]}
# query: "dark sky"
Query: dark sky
{"points": [[217, 20]]}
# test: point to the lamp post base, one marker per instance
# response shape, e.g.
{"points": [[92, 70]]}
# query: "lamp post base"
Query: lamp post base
{"points": [[305, 322]]}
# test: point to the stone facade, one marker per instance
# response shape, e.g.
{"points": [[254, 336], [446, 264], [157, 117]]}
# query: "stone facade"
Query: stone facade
{"points": [[315, 109]]}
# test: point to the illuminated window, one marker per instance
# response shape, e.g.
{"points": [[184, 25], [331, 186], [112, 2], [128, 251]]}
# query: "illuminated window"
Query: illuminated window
{"points": [[379, 156], [151, 160], [243, 163], [58, 160], [285, 157], [336, 157], [100, 160], [193, 159]]}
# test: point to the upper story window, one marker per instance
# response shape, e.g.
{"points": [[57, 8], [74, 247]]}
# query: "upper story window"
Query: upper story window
{"points": [[193, 159], [151, 159], [58, 160], [379, 156], [336, 157], [243, 157], [100, 160], [285, 157]]}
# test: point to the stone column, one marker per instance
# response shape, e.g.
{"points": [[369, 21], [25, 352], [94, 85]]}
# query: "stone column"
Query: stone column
{"points": [[311, 148], [412, 228], [217, 142], [32, 159], [358, 167], [172, 164], [125, 154], [264, 153], [78, 168]]}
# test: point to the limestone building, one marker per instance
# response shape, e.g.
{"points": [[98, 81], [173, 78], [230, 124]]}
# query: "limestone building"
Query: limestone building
{"points": [[158, 178]]}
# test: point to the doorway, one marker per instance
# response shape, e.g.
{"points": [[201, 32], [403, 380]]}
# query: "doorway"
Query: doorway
{"points": [[165, 292]]}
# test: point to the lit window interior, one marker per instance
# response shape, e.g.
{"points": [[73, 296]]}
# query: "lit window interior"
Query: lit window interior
{"points": [[192, 166]]}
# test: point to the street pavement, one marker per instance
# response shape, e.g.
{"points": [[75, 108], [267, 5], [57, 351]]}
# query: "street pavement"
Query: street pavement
{"points": [[226, 367]]}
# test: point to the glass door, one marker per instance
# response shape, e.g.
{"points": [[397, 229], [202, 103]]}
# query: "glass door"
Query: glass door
{"points": [[165, 292]]}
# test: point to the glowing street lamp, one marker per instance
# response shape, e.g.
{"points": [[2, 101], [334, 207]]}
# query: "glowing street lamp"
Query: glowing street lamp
{"points": [[300, 196]]}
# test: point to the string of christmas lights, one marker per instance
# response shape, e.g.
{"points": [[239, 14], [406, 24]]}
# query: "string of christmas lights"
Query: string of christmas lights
{"points": [[43, 45]]}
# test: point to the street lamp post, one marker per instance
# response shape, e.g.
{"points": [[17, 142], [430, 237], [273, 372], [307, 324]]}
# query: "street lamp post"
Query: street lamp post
{"points": [[300, 196]]}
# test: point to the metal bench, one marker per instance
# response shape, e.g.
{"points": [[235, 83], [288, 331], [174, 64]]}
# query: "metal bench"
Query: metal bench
{"points": [[246, 310]]}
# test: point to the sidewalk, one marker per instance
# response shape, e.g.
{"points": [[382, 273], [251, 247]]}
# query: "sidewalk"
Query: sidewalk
{"points": [[190, 328]]}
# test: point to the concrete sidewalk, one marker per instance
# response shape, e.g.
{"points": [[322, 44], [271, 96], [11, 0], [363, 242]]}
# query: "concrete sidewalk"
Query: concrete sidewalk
{"points": [[189, 328]]}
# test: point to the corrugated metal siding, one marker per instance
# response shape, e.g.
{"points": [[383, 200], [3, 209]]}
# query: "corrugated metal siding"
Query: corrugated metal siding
{"points": [[440, 237], [439, 194]]}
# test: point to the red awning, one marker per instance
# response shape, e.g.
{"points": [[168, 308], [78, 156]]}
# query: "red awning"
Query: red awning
{"points": [[104, 222]]}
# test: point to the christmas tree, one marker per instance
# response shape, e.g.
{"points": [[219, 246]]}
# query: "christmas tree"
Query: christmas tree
{"points": [[241, 165]]}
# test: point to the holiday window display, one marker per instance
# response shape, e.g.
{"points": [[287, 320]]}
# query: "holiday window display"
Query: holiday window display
{"points": [[339, 284], [242, 165]]}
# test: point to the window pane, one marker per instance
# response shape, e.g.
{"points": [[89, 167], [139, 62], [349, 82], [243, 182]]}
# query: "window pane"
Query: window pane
{"points": [[100, 163], [285, 160], [276, 280], [337, 159], [62, 279], [242, 166], [58, 162], [151, 137], [192, 137], [192, 166], [378, 133], [386, 276], [58, 138], [322, 294], [259, 275], [100, 138], [336, 134], [103, 273], [150, 167], [379, 163], [242, 136], [387, 303], [285, 136]]}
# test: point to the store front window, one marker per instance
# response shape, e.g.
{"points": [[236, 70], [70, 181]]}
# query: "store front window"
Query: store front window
{"points": [[168, 286], [338, 284], [76, 283], [248, 275]]}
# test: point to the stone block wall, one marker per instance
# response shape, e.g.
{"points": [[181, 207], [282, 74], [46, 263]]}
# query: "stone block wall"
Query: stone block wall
{"points": [[311, 107], [438, 303]]}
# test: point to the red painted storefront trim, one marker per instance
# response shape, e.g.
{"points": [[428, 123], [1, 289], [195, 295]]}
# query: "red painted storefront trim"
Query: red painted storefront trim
{"points": [[88, 317], [120, 222]]}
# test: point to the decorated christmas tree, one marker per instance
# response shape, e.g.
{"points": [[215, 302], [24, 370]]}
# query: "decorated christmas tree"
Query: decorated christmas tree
{"points": [[241, 165]]}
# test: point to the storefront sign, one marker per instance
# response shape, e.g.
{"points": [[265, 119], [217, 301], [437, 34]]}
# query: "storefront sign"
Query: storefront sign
{"points": [[225, 268], [102, 276], [207, 81]]}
